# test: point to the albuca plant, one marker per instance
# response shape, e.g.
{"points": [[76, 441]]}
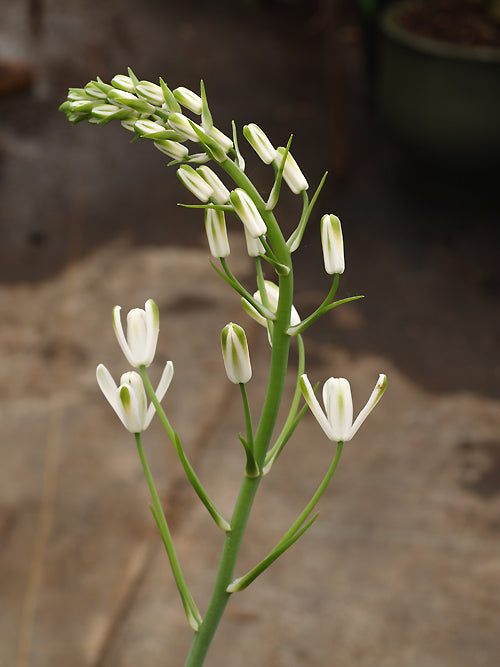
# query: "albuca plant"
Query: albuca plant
{"points": [[176, 121]]}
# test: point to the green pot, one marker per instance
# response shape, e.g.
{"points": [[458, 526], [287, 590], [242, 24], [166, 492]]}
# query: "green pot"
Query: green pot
{"points": [[442, 100]]}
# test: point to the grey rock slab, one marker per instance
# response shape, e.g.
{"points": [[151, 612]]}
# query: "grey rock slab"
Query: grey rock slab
{"points": [[76, 528]]}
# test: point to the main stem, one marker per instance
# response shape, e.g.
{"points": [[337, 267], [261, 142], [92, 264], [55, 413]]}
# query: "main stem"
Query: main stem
{"points": [[249, 486], [243, 506]]}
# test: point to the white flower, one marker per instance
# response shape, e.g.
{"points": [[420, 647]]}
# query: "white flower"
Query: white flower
{"points": [[259, 142], [173, 149], [254, 245], [235, 353], [129, 399], [333, 244], [195, 183], [129, 125], [337, 423], [248, 213], [84, 106], [183, 126], [188, 99], [221, 193], [139, 346], [220, 138], [123, 82], [291, 173], [215, 226], [107, 111], [150, 92], [130, 101], [93, 90], [148, 128], [272, 292]]}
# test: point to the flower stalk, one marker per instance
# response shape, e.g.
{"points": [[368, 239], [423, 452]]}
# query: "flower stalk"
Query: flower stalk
{"points": [[154, 111]]}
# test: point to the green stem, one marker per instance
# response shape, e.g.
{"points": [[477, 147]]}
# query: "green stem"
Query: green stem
{"points": [[298, 328], [283, 437], [220, 596], [294, 533], [188, 468], [248, 416], [251, 469], [192, 613], [249, 485], [314, 500], [261, 282]]}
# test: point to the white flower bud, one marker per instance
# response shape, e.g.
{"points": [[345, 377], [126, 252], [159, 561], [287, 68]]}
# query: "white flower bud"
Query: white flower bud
{"points": [[337, 423], [188, 99], [333, 244], [259, 142], [195, 183], [294, 178], [220, 138], [199, 158], [129, 399], [235, 354], [130, 101], [93, 90], [150, 92], [139, 346], [107, 112], [173, 149], [248, 213], [221, 193], [83, 106], [123, 83], [148, 128], [215, 226], [254, 245], [129, 125], [182, 125], [78, 94]]}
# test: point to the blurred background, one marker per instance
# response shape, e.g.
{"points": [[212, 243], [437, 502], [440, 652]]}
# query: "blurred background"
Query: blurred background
{"points": [[401, 106]]}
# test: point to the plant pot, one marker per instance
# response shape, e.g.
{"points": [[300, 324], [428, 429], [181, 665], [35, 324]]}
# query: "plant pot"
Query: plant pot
{"points": [[442, 100]]}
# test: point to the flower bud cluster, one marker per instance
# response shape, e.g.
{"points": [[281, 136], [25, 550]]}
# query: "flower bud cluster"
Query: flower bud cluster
{"points": [[150, 110]]}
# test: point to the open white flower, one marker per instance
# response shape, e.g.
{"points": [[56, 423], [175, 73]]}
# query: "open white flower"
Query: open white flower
{"points": [[129, 399], [337, 423], [139, 345]]}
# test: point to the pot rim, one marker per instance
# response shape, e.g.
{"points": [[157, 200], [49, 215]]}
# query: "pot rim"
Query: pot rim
{"points": [[391, 28]]}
